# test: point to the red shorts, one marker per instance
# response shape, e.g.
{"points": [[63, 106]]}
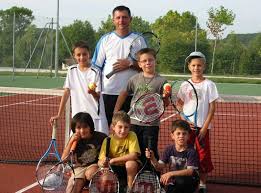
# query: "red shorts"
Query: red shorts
{"points": [[203, 149]]}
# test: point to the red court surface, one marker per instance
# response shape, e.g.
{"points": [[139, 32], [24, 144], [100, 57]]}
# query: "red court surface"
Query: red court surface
{"points": [[14, 178], [235, 143]]}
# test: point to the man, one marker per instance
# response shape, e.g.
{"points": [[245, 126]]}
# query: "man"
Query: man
{"points": [[111, 53]]}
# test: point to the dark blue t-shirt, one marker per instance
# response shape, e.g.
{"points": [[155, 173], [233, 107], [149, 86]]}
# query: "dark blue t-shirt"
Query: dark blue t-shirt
{"points": [[180, 160]]}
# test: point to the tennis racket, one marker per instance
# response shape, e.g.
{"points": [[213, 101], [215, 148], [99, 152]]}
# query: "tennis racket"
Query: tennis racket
{"points": [[188, 107], [49, 158], [147, 108], [105, 180], [143, 40], [146, 180], [57, 178]]}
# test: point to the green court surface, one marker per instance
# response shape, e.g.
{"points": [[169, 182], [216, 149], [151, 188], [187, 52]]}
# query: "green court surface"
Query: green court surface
{"points": [[31, 82], [47, 82]]}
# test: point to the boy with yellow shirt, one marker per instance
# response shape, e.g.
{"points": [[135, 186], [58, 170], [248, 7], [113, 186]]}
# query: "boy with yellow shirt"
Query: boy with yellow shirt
{"points": [[124, 149]]}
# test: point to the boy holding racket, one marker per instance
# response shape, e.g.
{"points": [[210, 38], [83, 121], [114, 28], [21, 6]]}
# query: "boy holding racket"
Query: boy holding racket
{"points": [[147, 81], [207, 95], [87, 150], [180, 158], [124, 149], [80, 87]]}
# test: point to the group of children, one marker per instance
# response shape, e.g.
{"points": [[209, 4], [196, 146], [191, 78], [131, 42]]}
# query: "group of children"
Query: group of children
{"points": [[129, 138]]}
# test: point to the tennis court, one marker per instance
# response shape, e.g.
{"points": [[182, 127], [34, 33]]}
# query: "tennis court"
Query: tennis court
{"points": [[25, 134]]}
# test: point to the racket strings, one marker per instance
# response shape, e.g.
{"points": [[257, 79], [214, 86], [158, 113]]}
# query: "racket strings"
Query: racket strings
{"points": [[146, 182], [57, 178], [104, 181], [149, 107], [147, 38]]}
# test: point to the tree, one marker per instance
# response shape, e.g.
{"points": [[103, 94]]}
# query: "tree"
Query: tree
{"points": [[79, 30], [177, 34], [23, 18], [137, 25], [218, 18], [229, 55], [254, 51]]}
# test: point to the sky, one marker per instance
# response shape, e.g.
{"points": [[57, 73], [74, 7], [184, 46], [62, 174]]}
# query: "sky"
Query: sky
{"points": [[247, 11]]}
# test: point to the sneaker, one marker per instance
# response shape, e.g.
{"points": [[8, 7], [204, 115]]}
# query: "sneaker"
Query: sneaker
{"points": [[202, 190]]}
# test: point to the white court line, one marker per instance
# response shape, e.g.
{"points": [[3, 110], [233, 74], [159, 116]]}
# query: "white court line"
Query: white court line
{"points": [[28, 102], [27, 188]]}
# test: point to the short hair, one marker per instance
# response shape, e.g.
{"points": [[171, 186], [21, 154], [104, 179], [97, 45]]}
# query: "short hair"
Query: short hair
{"points": [[81, 44], [181, 124], [84, 119], [120, 116], [146, 51], [121, 8]]}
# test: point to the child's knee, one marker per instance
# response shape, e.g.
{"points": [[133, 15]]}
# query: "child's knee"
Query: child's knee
{"points": [[131, 166], [90, 171]]}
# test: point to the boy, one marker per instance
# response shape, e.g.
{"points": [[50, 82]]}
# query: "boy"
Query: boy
{"points": [[207, 96], [87, 150], [181, 159], [124, 148], [147, 81], [76, 86]]}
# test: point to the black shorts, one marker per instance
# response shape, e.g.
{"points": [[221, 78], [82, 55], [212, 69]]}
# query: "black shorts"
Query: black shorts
{"points": [[109, 104]]}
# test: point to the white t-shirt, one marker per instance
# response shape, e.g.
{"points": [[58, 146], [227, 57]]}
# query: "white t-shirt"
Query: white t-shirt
{"points": [[81, 101], [206, 92], [109, 49]]}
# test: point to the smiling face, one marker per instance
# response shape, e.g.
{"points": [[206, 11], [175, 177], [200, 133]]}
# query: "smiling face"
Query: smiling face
{"points": [[84, 131], [121, 20], [197, 67], [180, 136], [147, 63], [82, 56], [121, 129]]}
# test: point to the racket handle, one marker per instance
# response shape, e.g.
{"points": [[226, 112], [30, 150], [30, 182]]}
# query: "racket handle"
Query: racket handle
{"points": [[54, 129], [149, 142], [110, 74], [73, 147]]}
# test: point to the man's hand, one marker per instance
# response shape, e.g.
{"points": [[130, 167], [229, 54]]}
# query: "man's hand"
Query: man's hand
{"points": [[121, 64]]}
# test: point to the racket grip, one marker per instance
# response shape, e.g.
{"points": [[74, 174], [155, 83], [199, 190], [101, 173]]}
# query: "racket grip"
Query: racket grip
{"points": [[73, 147], [149, 142], [54, 129], [110, 74]]}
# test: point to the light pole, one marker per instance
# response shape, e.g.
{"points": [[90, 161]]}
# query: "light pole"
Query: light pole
{"points": [[56, 42]]}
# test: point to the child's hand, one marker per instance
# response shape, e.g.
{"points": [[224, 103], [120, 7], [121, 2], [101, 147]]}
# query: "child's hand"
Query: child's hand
{"points": [[149, 154], [104, 163], [165, 178], [166, 90], [92, 86], [76, 137]]}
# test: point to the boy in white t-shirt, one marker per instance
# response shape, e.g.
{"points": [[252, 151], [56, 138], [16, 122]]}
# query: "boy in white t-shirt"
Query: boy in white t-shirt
{"points": [[207, 96], [83, 86]]}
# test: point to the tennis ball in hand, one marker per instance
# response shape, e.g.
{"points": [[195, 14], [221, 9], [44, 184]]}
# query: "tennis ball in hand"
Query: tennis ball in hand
{"points": [[92, 86], [167, 87]]}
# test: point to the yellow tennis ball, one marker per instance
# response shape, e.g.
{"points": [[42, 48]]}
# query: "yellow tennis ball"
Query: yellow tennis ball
{"points": [[92, 86], [167, 87]]}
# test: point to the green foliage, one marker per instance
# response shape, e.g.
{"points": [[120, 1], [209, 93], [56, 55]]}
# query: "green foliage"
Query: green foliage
{"points": [[137, 25], [218, 18], [79, 30], [237, 54], [23, 18]]}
